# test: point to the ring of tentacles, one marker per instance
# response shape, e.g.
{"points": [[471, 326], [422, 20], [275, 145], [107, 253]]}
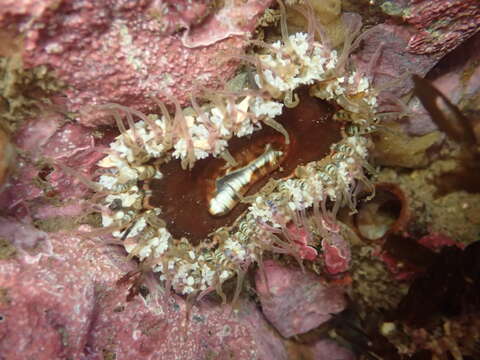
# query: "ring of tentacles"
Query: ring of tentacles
{"points": [[199, 195]]}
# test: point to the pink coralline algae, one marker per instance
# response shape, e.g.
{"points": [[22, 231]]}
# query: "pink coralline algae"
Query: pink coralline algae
{"points": [[45, 143], [385, 44], [126, 52], [58, 300], [458, 77], [436, 241], [442, 24], [336, 253], [329, 349], [301, 238], [295, 302]]}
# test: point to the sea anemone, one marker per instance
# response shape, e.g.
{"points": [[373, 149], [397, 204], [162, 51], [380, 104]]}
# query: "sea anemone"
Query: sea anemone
{"points": [[215, 165]]}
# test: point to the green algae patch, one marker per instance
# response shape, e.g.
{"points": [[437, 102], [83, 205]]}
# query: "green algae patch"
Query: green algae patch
{"points": [[23, 91], [7, 250], [5, 299], [455, 213], [67, 223], [393, 147], [109, 355]]}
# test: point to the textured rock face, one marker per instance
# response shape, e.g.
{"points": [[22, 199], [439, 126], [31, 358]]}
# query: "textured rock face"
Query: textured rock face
{"points": [[458, 77], [385, 44], [58, 299], [328, 349], [296, 302], [126, 52], [43, 142], [442, 25]]}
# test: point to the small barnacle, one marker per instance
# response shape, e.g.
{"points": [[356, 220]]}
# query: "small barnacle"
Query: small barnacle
{"points": [[146, 171], [331, 169]]}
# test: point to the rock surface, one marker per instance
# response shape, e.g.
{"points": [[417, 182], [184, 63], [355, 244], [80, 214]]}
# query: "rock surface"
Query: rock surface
{"points": [[328, 349], [126, 52], [44, 143], [385, 45], [458, 77], [442, 24], [295, 302], [58, 299]]}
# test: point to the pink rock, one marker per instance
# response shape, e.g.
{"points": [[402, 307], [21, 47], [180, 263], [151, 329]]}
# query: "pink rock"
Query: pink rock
{"points": [[442, 24], [328, 349], [389, 41], [48, 293], [294, 301], [45, 143], [59, 299], [126, 51], [133, 331], [458, 77]]}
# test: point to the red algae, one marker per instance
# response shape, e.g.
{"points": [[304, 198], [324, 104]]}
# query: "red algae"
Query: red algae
{"points": [[183, 195]]}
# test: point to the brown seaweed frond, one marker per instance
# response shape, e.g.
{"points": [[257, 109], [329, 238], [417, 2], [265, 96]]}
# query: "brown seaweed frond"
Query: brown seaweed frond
{"points": [[446, 115]]}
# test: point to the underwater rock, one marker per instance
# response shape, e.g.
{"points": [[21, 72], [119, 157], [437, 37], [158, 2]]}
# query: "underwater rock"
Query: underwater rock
{"points": [[329, 349], [442, 25], [125, 52], [48, 293], [388, 43], [449, 287], [162, 332], [294, 301], [58, 299], [457, 76], [43, 141]]}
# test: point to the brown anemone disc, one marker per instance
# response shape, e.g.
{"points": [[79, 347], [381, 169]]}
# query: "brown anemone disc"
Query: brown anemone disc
{"points": [[183, 195]]}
